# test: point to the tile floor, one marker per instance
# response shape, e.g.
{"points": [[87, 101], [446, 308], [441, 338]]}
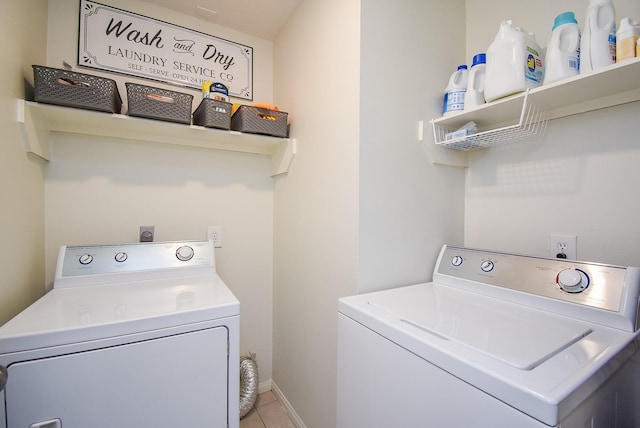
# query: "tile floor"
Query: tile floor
{"points": [[267, 413]]}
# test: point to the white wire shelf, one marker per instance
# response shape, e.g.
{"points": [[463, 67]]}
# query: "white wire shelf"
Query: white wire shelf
{"points": [[531, 123]]}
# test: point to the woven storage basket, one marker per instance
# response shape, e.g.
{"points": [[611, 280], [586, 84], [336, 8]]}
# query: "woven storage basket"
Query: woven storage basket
{"points": [[155, 103], [257, 120], [213, 114], [71, 89]]}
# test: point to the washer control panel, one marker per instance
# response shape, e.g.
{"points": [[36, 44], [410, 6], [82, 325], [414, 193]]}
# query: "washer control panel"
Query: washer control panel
{"points": [[134, 257], [591, 284]]}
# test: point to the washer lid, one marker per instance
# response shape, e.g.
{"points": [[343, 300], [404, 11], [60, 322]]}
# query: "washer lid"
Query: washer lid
{"points": [[516, 335], [76, 314]]}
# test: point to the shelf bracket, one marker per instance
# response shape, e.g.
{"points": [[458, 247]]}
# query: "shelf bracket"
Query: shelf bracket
{"points": [[33, 130], [282, 157]]}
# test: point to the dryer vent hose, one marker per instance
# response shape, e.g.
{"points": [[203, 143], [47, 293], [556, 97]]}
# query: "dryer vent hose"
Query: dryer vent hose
{"points": [[248, 383]]}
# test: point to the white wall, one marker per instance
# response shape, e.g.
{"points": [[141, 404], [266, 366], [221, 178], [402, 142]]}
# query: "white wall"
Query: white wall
{"points": [[23, 27], [363, 207], [580, 178], [316, 205], [409, 207], [100, 190]]}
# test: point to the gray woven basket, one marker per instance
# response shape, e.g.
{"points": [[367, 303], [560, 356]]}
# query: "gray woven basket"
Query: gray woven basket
{"points": [[213, 114], [71, 89], [257, 120], [155, 103]]}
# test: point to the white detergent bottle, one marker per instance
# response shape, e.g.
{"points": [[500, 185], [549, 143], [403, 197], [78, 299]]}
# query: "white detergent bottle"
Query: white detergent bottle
{"points": [[626, 39], [455, 92], [514, 63], [563, 49], [598, 43], [475, 87]]}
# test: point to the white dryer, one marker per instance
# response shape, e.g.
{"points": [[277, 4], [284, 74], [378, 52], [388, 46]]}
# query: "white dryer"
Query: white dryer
{"points": [[142, 335], [496, 340]]}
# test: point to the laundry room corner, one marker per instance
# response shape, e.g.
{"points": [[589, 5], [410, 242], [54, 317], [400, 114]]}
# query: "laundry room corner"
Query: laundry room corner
{"points": [[377, 256]]}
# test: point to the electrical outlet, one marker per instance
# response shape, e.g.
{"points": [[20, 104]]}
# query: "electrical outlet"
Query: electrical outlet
{"points": [[146, 233], [214, 233], [563, 244]]}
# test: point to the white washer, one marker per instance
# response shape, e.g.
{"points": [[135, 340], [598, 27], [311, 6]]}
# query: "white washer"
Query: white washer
{"points": [[141, 335], [496, 340]]}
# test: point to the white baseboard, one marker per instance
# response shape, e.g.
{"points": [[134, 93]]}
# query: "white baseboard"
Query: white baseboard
{"points": [[287, 406], [264, 386]]}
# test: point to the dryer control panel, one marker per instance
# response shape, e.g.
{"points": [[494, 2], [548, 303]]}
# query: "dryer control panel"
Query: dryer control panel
{"points": [[104, 260], [526, 279]]}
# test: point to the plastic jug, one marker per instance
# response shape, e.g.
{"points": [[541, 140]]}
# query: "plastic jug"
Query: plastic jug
{"points": [[626, 39], [475, 86], [598, 43], [563, 49], [455, 92], [514, 63]]}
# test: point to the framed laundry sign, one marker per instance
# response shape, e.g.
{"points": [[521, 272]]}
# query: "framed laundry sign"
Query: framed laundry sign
{"points": [[116, 40]]}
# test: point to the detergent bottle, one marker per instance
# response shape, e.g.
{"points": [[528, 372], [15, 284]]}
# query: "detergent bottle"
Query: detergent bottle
{"points": [[563, 49], [514, 63], [598, 42], [456, 90], [475, 87], [626, 39]]}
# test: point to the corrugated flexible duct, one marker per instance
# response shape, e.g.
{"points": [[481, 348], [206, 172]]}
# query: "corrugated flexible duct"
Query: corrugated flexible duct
{"points": [[248, 383]]}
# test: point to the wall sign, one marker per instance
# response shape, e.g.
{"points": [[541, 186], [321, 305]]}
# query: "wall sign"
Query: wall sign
{"points": [[116, 40]]}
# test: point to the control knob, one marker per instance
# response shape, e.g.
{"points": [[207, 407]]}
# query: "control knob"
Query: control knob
{"points": [[487, 265], [572, 280], [184, 253], [85, 259]]}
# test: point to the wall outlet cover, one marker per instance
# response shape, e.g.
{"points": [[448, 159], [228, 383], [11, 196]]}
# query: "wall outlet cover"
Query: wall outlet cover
{"points": [[566, 245], [214, 233]]}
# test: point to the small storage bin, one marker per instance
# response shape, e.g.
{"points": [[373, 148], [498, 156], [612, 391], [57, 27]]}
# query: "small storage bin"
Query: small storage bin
{"points": [[155, 103], [257, 120], [213, 114], [71, 89]]}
